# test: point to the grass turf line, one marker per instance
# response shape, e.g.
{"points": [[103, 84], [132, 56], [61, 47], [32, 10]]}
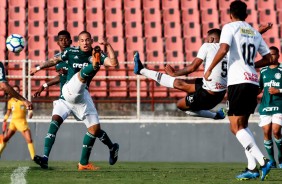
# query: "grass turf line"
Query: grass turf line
{"points": [[134, 172]]}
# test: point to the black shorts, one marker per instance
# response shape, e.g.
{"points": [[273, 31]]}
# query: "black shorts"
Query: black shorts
{"points": [[242, 99], [201, 99]]}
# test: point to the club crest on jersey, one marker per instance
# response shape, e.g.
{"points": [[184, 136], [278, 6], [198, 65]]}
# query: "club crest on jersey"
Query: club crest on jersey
{"points": [[277, 76]]}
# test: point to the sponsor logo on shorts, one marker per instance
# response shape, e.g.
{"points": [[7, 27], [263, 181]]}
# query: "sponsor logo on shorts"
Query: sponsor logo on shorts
{"points": [[251, 76], [267, 109]]}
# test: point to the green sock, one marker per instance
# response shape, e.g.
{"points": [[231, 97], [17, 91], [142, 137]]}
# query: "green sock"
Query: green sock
{"points": [[88, 72], [279, 148], [88, 142], [50, 137], [268, 144], [104, 138]]}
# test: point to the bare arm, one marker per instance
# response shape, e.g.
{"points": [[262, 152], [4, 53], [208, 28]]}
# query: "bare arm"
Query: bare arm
{"points": [[265, 61], [265, 27], [187, 70], [51, 62], [8, 89], [112, 59], [52, 82], [224, 48]]}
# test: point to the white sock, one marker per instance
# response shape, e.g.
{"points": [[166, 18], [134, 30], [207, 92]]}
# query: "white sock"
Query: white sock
{"points": [[248, 142], [161, 78], [202, 113], [251, 160]]}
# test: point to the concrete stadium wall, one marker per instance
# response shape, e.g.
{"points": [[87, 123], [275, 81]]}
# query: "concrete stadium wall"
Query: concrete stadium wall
{"points": [[183, 142]]}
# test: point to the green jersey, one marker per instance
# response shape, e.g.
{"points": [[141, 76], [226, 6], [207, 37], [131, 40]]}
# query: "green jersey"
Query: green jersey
{"points": [[78, 59], [63, 77], [2, 73], [270, 77]]}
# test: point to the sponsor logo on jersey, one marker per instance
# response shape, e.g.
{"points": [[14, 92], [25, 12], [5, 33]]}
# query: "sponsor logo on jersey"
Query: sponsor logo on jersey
{"points": [[251, 76], [74, 50], [272, 83], [277, 76], [247, 31], [79, 65], [219, 86], [267, 109]]}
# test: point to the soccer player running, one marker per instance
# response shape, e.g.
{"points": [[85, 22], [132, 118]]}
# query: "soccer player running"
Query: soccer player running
{"points": [[18, 123], [199, 90], [270, 108], [83, 63], [60, 110], [243, 42]]}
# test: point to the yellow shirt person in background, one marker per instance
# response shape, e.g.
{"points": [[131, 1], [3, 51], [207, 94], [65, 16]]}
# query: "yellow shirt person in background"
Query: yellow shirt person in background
{"points": [[18, 123]]}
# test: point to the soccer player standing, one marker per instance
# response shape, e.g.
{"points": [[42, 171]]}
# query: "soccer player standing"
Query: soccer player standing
{"points": [[18, 123], [243, 42], [270, 108]]}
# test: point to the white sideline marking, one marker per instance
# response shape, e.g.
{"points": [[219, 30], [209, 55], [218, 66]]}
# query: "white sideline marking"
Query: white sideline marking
{"points": [[18, 175]]}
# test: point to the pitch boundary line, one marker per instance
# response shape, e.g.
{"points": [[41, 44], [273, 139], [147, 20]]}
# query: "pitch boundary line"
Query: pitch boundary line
{"points": [[18, 175]]}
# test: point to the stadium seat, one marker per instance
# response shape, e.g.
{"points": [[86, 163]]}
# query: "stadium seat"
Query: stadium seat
{"points": [[208, 15], [36, 42], [75, 28], [36, 14], [37, 83], [52, 52], [191, 29], [17, 13], [96, 28], [74, 3], [113, 15], [147, 4], [36, 28], [152, 15], [117, 86], [207, 4], [133, 15], [174, 43], [3, 28], [279, 15], [118, 44], [279, 5], [113, 4], [16, 27], [153, 43], [174, 56], [114, 29], [273, 32], [54, 27], [224, 17], [153, 29], [129, 4], [17, 3], [207, 26], [168, 4], [190, 15], [156, 90], [189, 4], [252, 16], [54, 91], [266, 16], [98, 86], [265, 4], [55, 14], [36, 54], [155, 55], [156, 65], [55, 3], [224, 4], [272, 41], [191, 54], [193, 43], [132, 85], [36, 3], [3, 4], [251, 4], [172, 29], [133, 29], [94, 14], [2, 43], [171, 15], [75, 14], [130, 64], [2, 14], [16, 56], [94, 3]]}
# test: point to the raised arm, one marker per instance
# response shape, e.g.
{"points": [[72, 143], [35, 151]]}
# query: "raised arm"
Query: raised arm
{"points": [[111, 60], [187, 70], [51, 62], [52, 82]]}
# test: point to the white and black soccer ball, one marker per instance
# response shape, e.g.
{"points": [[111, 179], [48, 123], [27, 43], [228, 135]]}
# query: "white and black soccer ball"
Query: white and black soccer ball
{"points": [[15, 43]]}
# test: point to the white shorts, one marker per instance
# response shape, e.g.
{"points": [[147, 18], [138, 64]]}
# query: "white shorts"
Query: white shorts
{"points": [[79, 101], [60, 108], [267, 119]]}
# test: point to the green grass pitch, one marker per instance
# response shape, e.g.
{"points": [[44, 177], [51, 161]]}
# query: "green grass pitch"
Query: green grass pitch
{"points": [[133, 173]]}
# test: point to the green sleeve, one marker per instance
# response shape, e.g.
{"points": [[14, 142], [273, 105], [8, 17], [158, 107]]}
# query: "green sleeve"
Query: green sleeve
{"points": [[65, 55], [2, 73]]}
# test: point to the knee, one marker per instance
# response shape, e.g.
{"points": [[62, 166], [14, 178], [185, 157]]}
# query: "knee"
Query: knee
{"points": [[276, 134], [95, 129]]}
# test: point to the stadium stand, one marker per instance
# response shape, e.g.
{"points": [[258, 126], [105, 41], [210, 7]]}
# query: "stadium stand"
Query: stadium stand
{"points": [[36, 14], [133, 29], [133, 15]]}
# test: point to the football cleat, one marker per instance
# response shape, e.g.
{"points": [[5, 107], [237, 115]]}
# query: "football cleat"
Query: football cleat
{"points": [[89, 166], [280, 166], [220, 114], [273, 166], [266, 168], [114, 154], [42, 161], [138, 66], [248, 174]]}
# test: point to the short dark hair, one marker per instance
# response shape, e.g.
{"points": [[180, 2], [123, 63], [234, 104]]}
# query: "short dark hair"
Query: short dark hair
{"points": [[239, 10], [84, 32], [274, 48], [65, 33], [214, 31]]}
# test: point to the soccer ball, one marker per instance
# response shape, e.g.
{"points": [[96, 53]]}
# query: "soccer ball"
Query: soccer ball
{"points": [[15, 43]]}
